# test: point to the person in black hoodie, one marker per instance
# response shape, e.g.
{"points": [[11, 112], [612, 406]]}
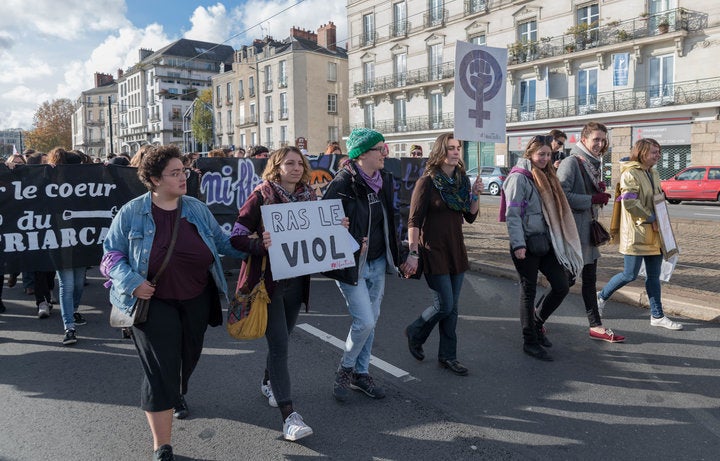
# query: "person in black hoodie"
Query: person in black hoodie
{"points": [[366, 191]]}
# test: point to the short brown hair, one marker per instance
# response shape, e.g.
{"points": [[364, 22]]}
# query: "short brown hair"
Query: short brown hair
{"points": [[641, 149], [154, 161], [592, 126]]}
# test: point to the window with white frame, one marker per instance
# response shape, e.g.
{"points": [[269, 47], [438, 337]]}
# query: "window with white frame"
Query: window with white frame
{"points": [[268, 137], [587, 90], [368, 37], [435, 61], [589, 14], [333, 133], [332, 72], [400, 67], [478, 40], [527, 99], [253, 138], [267, 79], [436, 111], [435, 12], [228, 92], [243, 140], [399, 19], [283, 106], [229, 121], [282, 74], [219, 119], [369, 75], [332, 103], [283, 135], [241, 115], [218, 101], [369, 116], [251, 86], [527, 31], [400, 114], [253, 114], [268, 109], [241, 91], [662, 80]]}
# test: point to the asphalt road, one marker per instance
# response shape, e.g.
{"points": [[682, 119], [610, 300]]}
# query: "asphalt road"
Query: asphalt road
{"points": [[654, 397]]}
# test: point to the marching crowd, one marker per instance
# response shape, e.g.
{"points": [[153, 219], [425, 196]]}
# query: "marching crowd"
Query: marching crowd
{"points": [[550, 202]]}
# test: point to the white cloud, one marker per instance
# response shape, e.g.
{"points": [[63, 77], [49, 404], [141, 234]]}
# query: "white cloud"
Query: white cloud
{"points": [[210, 24], [15, 72]]}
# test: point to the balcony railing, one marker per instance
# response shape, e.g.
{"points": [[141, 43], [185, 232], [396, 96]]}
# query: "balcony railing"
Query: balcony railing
{"points": [[283, 114], [368, 39], [420, 123], [412, 77], [678, 93], [252, 91], [435, 17], [247, 121], [268, 117], [282, 83], [174, 116], [268, 86], [612, 33], [399, 29]]}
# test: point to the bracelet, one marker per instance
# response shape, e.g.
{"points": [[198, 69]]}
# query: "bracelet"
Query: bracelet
{"points": [[473, 197], [414, 254]]}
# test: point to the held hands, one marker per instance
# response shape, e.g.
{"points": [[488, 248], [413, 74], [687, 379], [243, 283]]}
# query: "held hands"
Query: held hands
{"points": [[601, 198], [144, 291], [409, 267]]}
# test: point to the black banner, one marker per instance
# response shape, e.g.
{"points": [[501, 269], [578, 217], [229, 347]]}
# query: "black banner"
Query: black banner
{"points": [[57, 217]]}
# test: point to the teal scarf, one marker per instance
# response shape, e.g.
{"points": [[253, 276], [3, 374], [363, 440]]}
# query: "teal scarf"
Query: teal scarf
{"points": [[454, 191]]}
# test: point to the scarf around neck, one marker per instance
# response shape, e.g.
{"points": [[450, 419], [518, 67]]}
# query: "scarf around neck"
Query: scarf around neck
{"points": [[375, 182], [560, 220], [273, 192], [454, 191]]}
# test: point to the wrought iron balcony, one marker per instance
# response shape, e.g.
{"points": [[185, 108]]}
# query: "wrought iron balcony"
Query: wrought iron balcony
{"points": [[399, 29], [475, 7], [421, 123], [412, 77], [435, 17], [267, 86], [269, 116]]}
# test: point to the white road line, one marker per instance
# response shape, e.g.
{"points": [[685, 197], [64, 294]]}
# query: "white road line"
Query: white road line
{"points": [[715, 215], [383, 365]]}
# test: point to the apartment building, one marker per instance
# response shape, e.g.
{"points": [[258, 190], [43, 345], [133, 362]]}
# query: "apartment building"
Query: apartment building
{"points": [[279, 91], [9, 139], [94, 123], [155, 93], [639, 66]]}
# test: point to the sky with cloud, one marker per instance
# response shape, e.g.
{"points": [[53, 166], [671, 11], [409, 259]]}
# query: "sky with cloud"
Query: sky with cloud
{"points": [[52, 49]]}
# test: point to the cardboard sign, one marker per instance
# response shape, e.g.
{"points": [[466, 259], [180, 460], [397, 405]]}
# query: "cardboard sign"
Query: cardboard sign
{"points": [[307, 238]]}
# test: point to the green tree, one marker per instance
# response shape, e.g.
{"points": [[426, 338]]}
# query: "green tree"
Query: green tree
{"points": [[52, 124], [202, 118]]}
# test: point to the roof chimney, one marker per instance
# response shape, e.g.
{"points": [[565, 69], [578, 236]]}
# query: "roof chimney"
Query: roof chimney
{"points": [[326, 36], [103, 79], [144, 53], [304, 34], [120, 73]]}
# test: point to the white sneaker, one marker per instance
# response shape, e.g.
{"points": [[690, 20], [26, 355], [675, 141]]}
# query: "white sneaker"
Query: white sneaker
{"points": [[295, 428], [266, 390], [665, 323], [601, 304], [44, 310]]}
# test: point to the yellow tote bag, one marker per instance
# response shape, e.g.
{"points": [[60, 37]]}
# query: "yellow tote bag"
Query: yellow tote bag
{"points": [[247, 314]]}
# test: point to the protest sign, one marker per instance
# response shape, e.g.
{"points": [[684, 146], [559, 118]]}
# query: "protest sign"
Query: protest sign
{"points": [[307, 238]]}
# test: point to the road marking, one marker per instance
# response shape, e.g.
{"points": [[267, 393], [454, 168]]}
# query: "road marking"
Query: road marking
{"points": [[381, 364], [715, 215]]}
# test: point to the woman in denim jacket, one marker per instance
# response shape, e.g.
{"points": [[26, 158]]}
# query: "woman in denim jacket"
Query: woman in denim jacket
{"points": [[185, 299]]}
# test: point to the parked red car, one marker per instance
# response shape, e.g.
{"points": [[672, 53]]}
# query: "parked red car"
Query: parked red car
{"points": [[693, 183]]}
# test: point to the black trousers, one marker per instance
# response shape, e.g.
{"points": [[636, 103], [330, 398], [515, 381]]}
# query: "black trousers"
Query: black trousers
{"points": [[528, 270], [44, 285], [169, 344]]}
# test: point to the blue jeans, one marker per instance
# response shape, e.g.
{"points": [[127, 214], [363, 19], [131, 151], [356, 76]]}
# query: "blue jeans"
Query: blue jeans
{"points": [[630, 271], [71, 286], [363, 301], [443, 312]]}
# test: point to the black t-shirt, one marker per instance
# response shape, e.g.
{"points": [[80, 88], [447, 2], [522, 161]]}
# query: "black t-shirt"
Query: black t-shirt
{"points": [[377, 228]]}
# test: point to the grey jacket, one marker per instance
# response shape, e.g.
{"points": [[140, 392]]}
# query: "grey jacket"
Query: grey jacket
{"points": [[524, 213], [579, 191]]}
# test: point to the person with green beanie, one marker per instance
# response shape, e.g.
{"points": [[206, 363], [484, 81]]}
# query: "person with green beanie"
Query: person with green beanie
{"points": [[366, 191]]}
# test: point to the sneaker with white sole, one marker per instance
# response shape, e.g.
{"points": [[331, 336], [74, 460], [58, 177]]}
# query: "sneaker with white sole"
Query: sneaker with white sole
{"points": [[266, 390], [43, 310], [600, 303], [295, 428], [69, 338], [665, 323]]}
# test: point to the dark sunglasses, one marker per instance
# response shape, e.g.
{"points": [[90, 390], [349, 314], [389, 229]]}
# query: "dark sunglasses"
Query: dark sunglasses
{"points": [[545, 140]]}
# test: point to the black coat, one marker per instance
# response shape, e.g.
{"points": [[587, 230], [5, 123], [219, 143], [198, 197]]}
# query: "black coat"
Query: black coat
{"points": [[350, 187]]}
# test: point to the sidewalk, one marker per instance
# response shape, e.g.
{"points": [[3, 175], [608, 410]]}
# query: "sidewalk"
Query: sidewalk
{"points": [[693, 290]]}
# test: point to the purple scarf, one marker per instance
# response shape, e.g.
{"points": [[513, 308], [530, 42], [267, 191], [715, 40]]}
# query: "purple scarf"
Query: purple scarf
{"points": [[503, 200], [375, 182]]}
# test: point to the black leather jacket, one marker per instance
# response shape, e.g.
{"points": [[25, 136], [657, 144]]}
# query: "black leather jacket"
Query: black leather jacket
{"points": [[350, 187]]}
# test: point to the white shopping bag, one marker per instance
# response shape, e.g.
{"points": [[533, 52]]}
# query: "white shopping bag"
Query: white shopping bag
{"points": [[666, 270]]}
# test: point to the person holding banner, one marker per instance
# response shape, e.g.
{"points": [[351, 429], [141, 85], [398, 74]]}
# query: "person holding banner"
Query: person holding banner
{"points": [[366, 191], [185, 299], [581, 177], [442, 198], [639, 233], [285, 180], [543, 238]]}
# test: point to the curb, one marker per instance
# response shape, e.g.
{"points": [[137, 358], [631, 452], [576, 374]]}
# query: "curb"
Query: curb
{"points": [[632, 296]]}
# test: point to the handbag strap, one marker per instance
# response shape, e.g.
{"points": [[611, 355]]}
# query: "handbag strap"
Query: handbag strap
{"points": [[171, 246], [585, 174]]}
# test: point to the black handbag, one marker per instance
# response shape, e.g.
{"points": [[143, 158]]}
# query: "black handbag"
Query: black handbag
{"points": [[598, 234], [538, 244], [138, 314]]}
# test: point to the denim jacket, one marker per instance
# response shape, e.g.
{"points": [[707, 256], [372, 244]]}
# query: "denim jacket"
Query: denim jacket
{"points": [[131, 236]]}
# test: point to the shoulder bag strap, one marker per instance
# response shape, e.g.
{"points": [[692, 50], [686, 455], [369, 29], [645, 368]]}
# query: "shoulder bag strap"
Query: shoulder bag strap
{"points": [[171, 247]]}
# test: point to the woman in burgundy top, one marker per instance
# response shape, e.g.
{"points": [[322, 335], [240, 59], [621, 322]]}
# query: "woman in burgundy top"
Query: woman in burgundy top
{"points": [[285, 178], [442, 198]]}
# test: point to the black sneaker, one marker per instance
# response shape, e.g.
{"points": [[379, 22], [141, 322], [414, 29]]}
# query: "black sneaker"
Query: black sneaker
{"points": [[69, 338], [79, 319], [180, 411], [364, 382], [164, 453], [341, 387]]}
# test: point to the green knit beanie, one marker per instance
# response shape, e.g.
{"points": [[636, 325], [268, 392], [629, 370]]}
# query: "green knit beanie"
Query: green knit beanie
{"points": [[361, 140]]}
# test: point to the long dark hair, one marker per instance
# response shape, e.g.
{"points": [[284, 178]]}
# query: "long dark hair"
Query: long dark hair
{"points": [[438, 154]]}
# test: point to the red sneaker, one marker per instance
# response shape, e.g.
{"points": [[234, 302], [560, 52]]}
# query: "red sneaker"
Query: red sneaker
{"points": [[608, 335]]}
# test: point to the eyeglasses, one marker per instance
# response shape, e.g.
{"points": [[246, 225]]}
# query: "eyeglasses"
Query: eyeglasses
{"points": [[179, 174], [377, 149]]}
